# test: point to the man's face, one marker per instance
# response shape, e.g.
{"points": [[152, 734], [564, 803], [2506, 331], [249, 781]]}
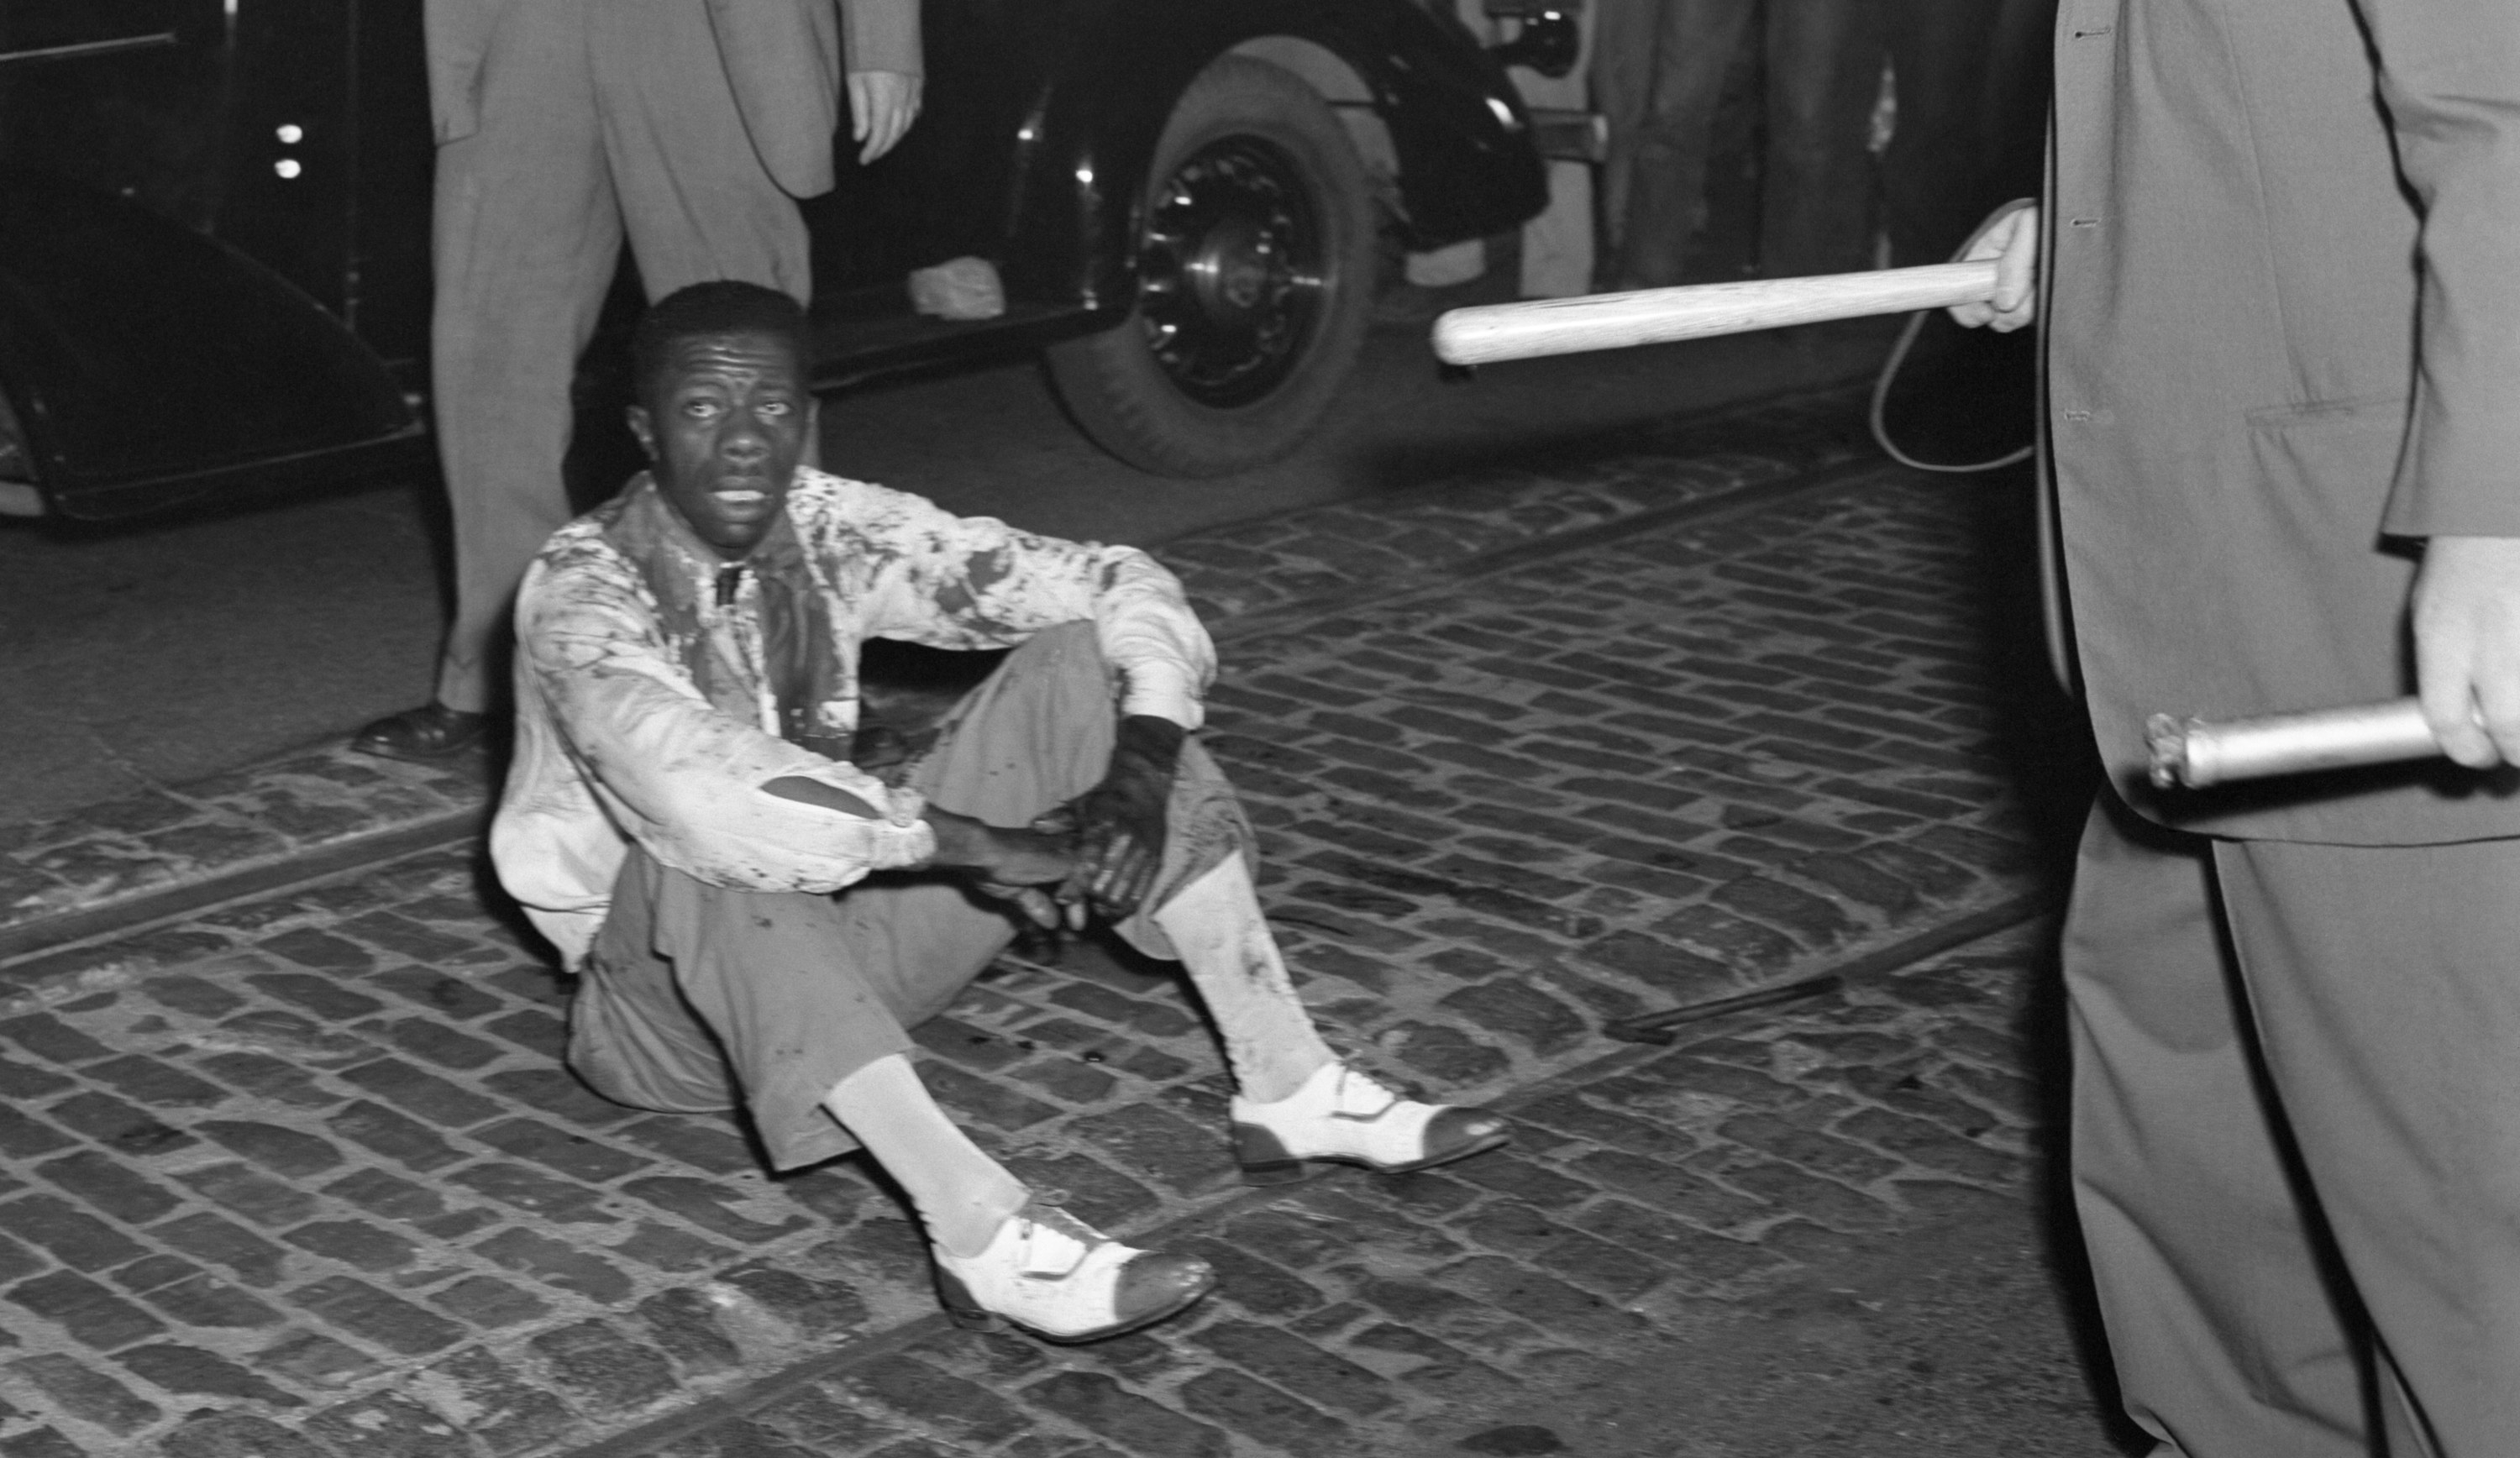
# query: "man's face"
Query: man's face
{"points": [[724, 422]]}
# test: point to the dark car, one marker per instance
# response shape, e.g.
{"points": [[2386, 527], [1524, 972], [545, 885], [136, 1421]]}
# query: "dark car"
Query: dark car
{"points": [[214, 225]]}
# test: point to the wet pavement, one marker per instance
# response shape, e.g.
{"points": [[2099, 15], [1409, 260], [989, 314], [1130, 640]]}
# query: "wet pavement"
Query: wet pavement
{"points": [[289, 1166]]}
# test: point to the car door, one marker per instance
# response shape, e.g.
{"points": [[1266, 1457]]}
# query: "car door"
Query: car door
{"points": [[145, 363]]}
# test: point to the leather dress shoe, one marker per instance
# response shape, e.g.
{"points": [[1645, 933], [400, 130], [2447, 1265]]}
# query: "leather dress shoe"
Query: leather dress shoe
{"points": [[1063, 1281], [1343, 1116], [431, 732]]}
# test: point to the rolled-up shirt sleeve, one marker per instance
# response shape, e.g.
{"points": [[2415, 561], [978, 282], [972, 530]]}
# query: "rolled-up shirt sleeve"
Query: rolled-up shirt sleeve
{"points": [[969, 582], [678, 776]]}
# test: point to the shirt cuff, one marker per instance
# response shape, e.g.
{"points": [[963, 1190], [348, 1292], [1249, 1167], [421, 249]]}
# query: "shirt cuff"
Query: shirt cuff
{"points": [[1165, 690], [907, 838]]}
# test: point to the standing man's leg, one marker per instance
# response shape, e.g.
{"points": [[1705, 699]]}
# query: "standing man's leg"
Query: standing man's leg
{"points": [[1934, 174], [1823, 80], [694, 196], [2228, 1341], [595, 114], [1659, 71], [2387, 983], [526, 239]]}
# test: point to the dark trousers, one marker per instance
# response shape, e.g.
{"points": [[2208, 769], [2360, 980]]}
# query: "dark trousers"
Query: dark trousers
{"points": [[1658, 69], [1935, 174]]}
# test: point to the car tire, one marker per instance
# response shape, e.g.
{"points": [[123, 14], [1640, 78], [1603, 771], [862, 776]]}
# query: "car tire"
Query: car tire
{"points": [[1255, 261]]}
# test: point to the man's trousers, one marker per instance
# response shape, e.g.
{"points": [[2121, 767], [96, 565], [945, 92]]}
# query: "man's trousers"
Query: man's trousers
{"points": [[598, 118], [2296, 1138], [1658, 68], [699, 998]]}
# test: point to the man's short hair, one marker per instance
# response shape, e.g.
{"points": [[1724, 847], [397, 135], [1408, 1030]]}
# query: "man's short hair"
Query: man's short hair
{"points": [[721, 306]]}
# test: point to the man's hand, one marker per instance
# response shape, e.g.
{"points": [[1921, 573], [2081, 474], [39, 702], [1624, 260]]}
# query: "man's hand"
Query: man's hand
{"points": [[2011, 240], [1119, 823], [1007, 864], [882, 103], [2466, 611]]}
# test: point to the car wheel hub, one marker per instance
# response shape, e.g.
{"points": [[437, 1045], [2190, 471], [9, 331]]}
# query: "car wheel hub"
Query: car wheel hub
{"points": [[1233, 270]]}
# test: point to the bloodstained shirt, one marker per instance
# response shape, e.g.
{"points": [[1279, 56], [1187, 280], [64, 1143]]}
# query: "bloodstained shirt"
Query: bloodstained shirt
{"points": [[659, 687]]}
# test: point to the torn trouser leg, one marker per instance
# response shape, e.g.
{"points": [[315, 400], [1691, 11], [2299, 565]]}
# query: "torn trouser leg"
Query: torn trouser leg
{"points": [[699, 998]]}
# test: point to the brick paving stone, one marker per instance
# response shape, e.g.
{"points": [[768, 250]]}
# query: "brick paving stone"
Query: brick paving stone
{"points": [[966, 1411], [40, 1442], [1251, 1283], [669, 1250], [50, 1038], [254, 1259], [85, 1393], [705, 1205], [596, 1364], [367, 1312], [316, 1362], [90, 1313], [399, 1138], [149, 1081], [355, 1243], [389, 1420], [1269, 1415], [191, 1372], [22, 1135], [488, 1305], [271, 1078], [561, 1200], [24, 1081], [282, 1151], [72, 1236], [1103, 1406], [567, 1153], [552, 1090], [683, 1322], [444, 1046], [206, 1302], [1545, 1241], [17, 1261], [503, 1411], [1297, 1366], [256, 1196], [421, 1093], [815, 1308], [210, 1434], [111, 1122]]}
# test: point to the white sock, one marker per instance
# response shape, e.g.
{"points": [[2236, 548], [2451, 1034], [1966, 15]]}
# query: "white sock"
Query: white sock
{"points": [[962, 1194], [1215, 924]]}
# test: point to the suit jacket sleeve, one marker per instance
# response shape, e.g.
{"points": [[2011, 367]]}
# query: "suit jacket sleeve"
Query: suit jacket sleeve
{"points": [[882, 35], [2450, 78], [456, 34]]}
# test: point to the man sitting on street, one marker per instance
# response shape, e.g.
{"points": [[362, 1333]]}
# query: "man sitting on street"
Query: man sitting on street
{"points": [[755, 919]]}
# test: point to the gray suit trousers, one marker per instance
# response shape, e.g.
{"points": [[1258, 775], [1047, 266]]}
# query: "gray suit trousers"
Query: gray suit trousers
{"points": [[600, 119], [2296, 1139]]}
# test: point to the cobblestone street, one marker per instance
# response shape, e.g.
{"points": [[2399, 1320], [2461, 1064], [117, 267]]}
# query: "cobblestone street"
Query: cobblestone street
{"points": [[1539, 758]]}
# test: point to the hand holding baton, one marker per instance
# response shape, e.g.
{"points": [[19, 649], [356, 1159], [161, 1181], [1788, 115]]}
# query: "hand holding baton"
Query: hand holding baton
{"points": [[1700, 311], [2194, 753]]}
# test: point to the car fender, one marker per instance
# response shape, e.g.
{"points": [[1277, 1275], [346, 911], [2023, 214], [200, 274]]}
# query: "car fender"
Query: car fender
{"points": [[1459, 136], [147, 365]]}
